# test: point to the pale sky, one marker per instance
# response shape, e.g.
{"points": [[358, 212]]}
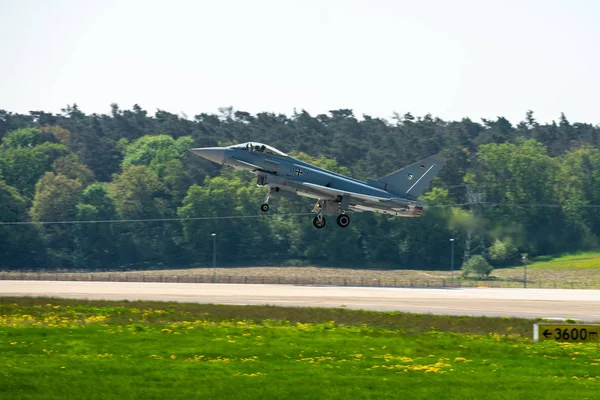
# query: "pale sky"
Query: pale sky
{"points": [[453, 59]]}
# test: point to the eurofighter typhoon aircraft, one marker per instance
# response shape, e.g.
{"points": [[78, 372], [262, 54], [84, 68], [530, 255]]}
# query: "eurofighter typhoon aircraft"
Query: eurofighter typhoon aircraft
{"points": [[394, 194]]}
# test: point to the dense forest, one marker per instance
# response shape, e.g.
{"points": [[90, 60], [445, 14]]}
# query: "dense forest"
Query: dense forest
{"points": [[506, 190]]}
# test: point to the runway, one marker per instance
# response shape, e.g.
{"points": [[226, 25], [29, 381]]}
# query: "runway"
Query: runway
{"points": [[581, 305]]}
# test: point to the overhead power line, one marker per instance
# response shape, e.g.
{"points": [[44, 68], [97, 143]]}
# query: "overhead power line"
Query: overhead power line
{"points": [[487, 203], [231, 217], [121, 221]]}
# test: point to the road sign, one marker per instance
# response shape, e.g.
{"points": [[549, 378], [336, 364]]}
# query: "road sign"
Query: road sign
{"points": [[566, 332]]}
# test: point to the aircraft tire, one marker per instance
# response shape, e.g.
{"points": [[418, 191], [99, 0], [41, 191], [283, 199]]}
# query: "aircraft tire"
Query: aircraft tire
{"points": [[343, 220], [264, 207], [319, 224]]}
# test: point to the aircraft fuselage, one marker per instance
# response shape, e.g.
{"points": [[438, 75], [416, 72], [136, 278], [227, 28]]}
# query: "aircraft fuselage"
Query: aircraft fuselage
{"points": [[287, 176]]}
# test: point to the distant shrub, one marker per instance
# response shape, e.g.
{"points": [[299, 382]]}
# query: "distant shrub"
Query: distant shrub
{"points": [[477, 265], [503, 253]]}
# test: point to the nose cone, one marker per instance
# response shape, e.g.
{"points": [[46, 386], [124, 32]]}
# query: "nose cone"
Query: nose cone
{"points": [[214, 154]]}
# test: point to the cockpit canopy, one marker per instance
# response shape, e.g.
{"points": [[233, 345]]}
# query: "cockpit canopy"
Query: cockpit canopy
{"points": [[258, 148]]}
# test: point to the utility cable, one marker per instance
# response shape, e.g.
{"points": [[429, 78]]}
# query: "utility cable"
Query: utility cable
{"points": [[233, 217], [121, 221]]}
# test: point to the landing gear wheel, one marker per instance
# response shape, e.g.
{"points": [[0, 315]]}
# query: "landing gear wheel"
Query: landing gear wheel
{"points": [[264, 207], [343, 220], [319, 221]]}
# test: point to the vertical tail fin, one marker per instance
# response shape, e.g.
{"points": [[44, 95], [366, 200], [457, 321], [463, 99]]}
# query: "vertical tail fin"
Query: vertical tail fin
{"points": [[411, 181]]}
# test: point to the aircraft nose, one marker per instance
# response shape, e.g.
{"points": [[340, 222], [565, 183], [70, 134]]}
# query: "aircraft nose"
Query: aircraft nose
{"points": [[214, 154]]}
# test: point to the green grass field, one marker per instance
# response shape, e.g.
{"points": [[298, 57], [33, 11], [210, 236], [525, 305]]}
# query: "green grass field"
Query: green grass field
{"points": [[58, 349], [579, 260], [580, 271]]}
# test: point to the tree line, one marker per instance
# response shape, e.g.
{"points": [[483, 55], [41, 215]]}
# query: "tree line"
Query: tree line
{"points": [[538, 189]]}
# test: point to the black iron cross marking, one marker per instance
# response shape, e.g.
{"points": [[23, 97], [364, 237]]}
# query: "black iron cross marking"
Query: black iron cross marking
{"points": [[299, 171]]}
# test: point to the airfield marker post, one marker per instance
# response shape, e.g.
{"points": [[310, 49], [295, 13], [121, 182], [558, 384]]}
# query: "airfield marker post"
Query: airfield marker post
{"points": [[214, 277]]}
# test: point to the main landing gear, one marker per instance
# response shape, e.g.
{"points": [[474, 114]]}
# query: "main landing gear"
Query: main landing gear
{"points": [[325, 207], [322, 207], [343, 220], [319, 221]]}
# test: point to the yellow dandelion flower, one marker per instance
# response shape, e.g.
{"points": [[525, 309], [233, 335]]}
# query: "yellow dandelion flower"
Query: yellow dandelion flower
{"points": [[457, 359]]}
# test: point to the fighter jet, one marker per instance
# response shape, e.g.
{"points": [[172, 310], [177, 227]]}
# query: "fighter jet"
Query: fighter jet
{"points": [[285, 176]]}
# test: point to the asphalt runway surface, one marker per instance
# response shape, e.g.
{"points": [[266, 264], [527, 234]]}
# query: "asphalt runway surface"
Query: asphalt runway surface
{"points": [[581, 305]]}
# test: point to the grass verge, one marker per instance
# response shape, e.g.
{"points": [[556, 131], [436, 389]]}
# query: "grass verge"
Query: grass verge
{"points": [[573, 271], [52, 349]]}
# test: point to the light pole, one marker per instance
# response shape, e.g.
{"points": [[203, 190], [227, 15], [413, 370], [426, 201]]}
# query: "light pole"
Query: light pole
{"points": [[214, 279], [524, 258], [452, 261]]}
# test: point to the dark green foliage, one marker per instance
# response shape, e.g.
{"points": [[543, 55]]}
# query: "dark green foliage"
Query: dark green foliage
{"points": [[20, 245], [56, 197], [503, 253], [70, 167], [25, 155], [95, 244], [538, 181], [477, 265]]}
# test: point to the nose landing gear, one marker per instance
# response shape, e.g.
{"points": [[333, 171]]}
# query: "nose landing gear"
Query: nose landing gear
{"points": [[264, 207]]}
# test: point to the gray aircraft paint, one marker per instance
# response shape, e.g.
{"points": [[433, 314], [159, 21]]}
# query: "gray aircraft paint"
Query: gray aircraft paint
{"points": [[394, 194]]}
